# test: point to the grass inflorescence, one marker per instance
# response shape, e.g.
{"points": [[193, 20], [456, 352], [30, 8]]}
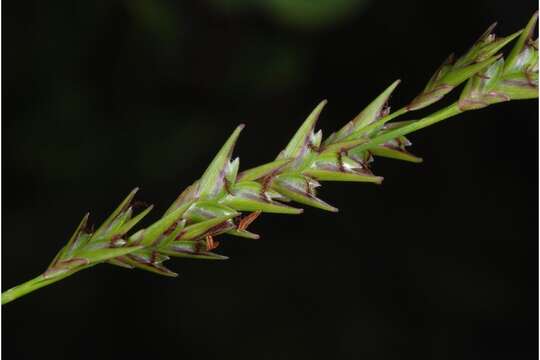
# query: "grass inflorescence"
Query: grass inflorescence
{"points": [[226, 201]]}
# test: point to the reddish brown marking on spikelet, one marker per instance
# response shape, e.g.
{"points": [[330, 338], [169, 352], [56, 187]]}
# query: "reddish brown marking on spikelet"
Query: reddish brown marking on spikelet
{"points": [[308, 186], [267, 182], [340, 162], [312, 147], [197, 247], [248, 219], [171, 228], [223, 179], [210, 243], [139, 259], [74, 260], [60, 264], [483, 76], [217, 228], [211, 231], [179, 236], [384, 111], [227, 185], [366, 167], [114, 240]]}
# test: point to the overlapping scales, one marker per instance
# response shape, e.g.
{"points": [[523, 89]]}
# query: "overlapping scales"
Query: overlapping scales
{"points": [[213, 205]]}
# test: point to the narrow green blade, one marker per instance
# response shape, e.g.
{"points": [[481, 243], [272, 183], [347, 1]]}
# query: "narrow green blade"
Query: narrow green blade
{"points": [[123, 206], [212, 181], [199, 230], [263, 170], [527, 33], [150, 234], [367, 116], [300, 140]]}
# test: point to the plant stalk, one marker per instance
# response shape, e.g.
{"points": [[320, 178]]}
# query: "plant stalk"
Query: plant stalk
{"points": [[440, 115], [32, 285]]}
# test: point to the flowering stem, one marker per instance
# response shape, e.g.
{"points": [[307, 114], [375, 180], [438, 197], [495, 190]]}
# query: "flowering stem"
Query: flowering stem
{"points": [[36, 283], [377, 124], [440, 115], [214, 204], [28, 287]]}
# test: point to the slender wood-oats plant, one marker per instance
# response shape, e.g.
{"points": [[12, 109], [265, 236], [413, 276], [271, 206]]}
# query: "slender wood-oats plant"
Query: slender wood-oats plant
{"points": [[213, 205]]}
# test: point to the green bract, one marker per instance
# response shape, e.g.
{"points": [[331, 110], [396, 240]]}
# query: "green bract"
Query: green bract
{"points": [[213, 205]]}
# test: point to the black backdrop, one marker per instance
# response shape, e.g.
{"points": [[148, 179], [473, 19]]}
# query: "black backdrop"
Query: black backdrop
{"points": [[440, 262]]}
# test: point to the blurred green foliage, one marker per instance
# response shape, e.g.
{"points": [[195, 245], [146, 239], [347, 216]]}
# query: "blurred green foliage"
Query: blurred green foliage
{"points": [[155, 15], [309, 14]]}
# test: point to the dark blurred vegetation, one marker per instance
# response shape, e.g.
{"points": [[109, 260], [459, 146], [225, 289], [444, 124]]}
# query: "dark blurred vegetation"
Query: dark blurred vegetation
{"points": [[440, 262]]}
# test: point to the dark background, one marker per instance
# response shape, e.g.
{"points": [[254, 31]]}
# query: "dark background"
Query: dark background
{"points": [[440, 262]]}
